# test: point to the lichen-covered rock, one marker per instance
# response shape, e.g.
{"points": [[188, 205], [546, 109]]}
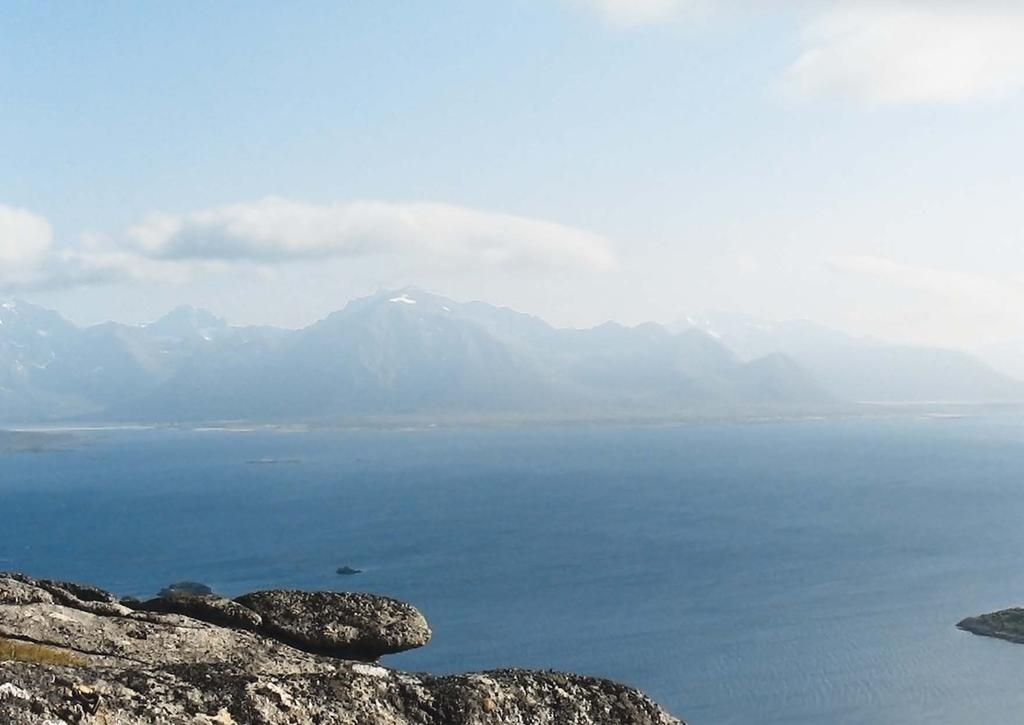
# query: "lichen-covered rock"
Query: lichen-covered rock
{"points": [[147, 637], [84, 592], [208, 608], [13, 591], [339, 624], [80, 596], [62, 589], [351, 694], [163, 669]]}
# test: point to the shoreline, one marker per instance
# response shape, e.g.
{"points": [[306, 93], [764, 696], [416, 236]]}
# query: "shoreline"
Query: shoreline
{"points": [[866, 411]]}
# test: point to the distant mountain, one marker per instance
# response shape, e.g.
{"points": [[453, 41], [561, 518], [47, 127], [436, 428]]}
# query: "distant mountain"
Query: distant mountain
{"points": [[51, 369], [410, 352], [1006, 356], [863, 369], [394, 353], [31, 340], [188, 323]]}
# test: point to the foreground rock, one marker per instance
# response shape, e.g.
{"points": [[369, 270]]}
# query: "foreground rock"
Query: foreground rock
{"points": [[73, 665], [78, 596], [353, 626], [1005, 624]]}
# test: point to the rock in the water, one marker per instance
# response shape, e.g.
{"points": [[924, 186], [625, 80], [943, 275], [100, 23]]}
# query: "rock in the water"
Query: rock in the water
{"points": [[148, 668], [348, 570], [185, 589], [339, 624], [1005, 624], [206, 607]]}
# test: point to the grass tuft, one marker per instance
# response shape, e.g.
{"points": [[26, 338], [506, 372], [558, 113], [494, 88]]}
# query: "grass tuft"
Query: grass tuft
{"points": [[14, 651]]}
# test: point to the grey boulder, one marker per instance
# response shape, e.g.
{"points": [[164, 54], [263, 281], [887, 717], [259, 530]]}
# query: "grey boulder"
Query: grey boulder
{"points": [[339, 624]]}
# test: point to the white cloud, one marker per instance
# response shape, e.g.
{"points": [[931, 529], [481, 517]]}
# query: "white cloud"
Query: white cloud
{"points": [[630, 13], [263, 234], [30, 260], [278, 230], [25, 239], [905, 51], [878, 51]]}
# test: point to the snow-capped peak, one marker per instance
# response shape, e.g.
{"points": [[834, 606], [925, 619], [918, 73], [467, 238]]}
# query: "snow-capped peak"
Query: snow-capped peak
{"points": [[403, 299], [703, 323]]}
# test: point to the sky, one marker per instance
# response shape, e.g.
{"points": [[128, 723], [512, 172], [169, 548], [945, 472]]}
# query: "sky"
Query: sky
{"points": [[857, 163]]}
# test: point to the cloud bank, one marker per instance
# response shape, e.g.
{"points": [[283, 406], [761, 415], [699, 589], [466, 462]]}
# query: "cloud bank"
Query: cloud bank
{"points": [[30, 259], [274, 231], [912, 51]]}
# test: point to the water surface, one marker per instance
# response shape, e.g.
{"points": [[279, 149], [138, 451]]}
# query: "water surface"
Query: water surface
{"points": [[784, 572]]}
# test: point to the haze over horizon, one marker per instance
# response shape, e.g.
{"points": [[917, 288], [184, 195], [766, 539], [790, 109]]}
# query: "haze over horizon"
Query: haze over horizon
{"points": [[597, 160], [407, 352]]}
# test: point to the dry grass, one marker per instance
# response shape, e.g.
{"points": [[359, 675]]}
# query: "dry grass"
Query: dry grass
{"points": [[15, 651]]}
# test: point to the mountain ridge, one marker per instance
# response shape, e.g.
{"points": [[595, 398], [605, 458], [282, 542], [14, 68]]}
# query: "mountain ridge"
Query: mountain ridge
{"points": [[864, 369], [403, 352]]}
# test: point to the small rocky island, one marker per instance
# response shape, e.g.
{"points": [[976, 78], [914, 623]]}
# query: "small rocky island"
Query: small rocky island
{"points": [[73, 654], [1005, 624]]}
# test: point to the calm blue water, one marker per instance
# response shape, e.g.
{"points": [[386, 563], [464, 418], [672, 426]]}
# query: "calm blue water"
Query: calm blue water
{"points": [[774, 573]]}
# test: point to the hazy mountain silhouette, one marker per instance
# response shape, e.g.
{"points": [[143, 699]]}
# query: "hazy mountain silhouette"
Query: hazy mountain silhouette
{"points": [[863, 369], [393, 353], [408, 352]]}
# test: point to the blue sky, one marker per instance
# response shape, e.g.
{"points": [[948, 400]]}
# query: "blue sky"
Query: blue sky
{"points": [[853, 162]]}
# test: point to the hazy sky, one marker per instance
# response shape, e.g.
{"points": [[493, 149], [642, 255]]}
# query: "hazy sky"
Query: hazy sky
{"points": [[854, 162]]}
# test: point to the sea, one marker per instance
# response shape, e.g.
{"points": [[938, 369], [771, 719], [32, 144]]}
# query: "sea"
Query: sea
{"points": [[774, 571]]}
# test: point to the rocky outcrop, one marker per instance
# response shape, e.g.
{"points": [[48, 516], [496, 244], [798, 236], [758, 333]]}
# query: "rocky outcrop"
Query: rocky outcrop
{"points": [[206, 607], [74, 664], [78, 596], [14, 591], [1005, 624], [352, 626]]}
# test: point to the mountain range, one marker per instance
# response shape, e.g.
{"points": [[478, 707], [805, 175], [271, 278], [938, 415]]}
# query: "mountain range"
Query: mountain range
{"points": [[408, 352], [863, 369]]}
